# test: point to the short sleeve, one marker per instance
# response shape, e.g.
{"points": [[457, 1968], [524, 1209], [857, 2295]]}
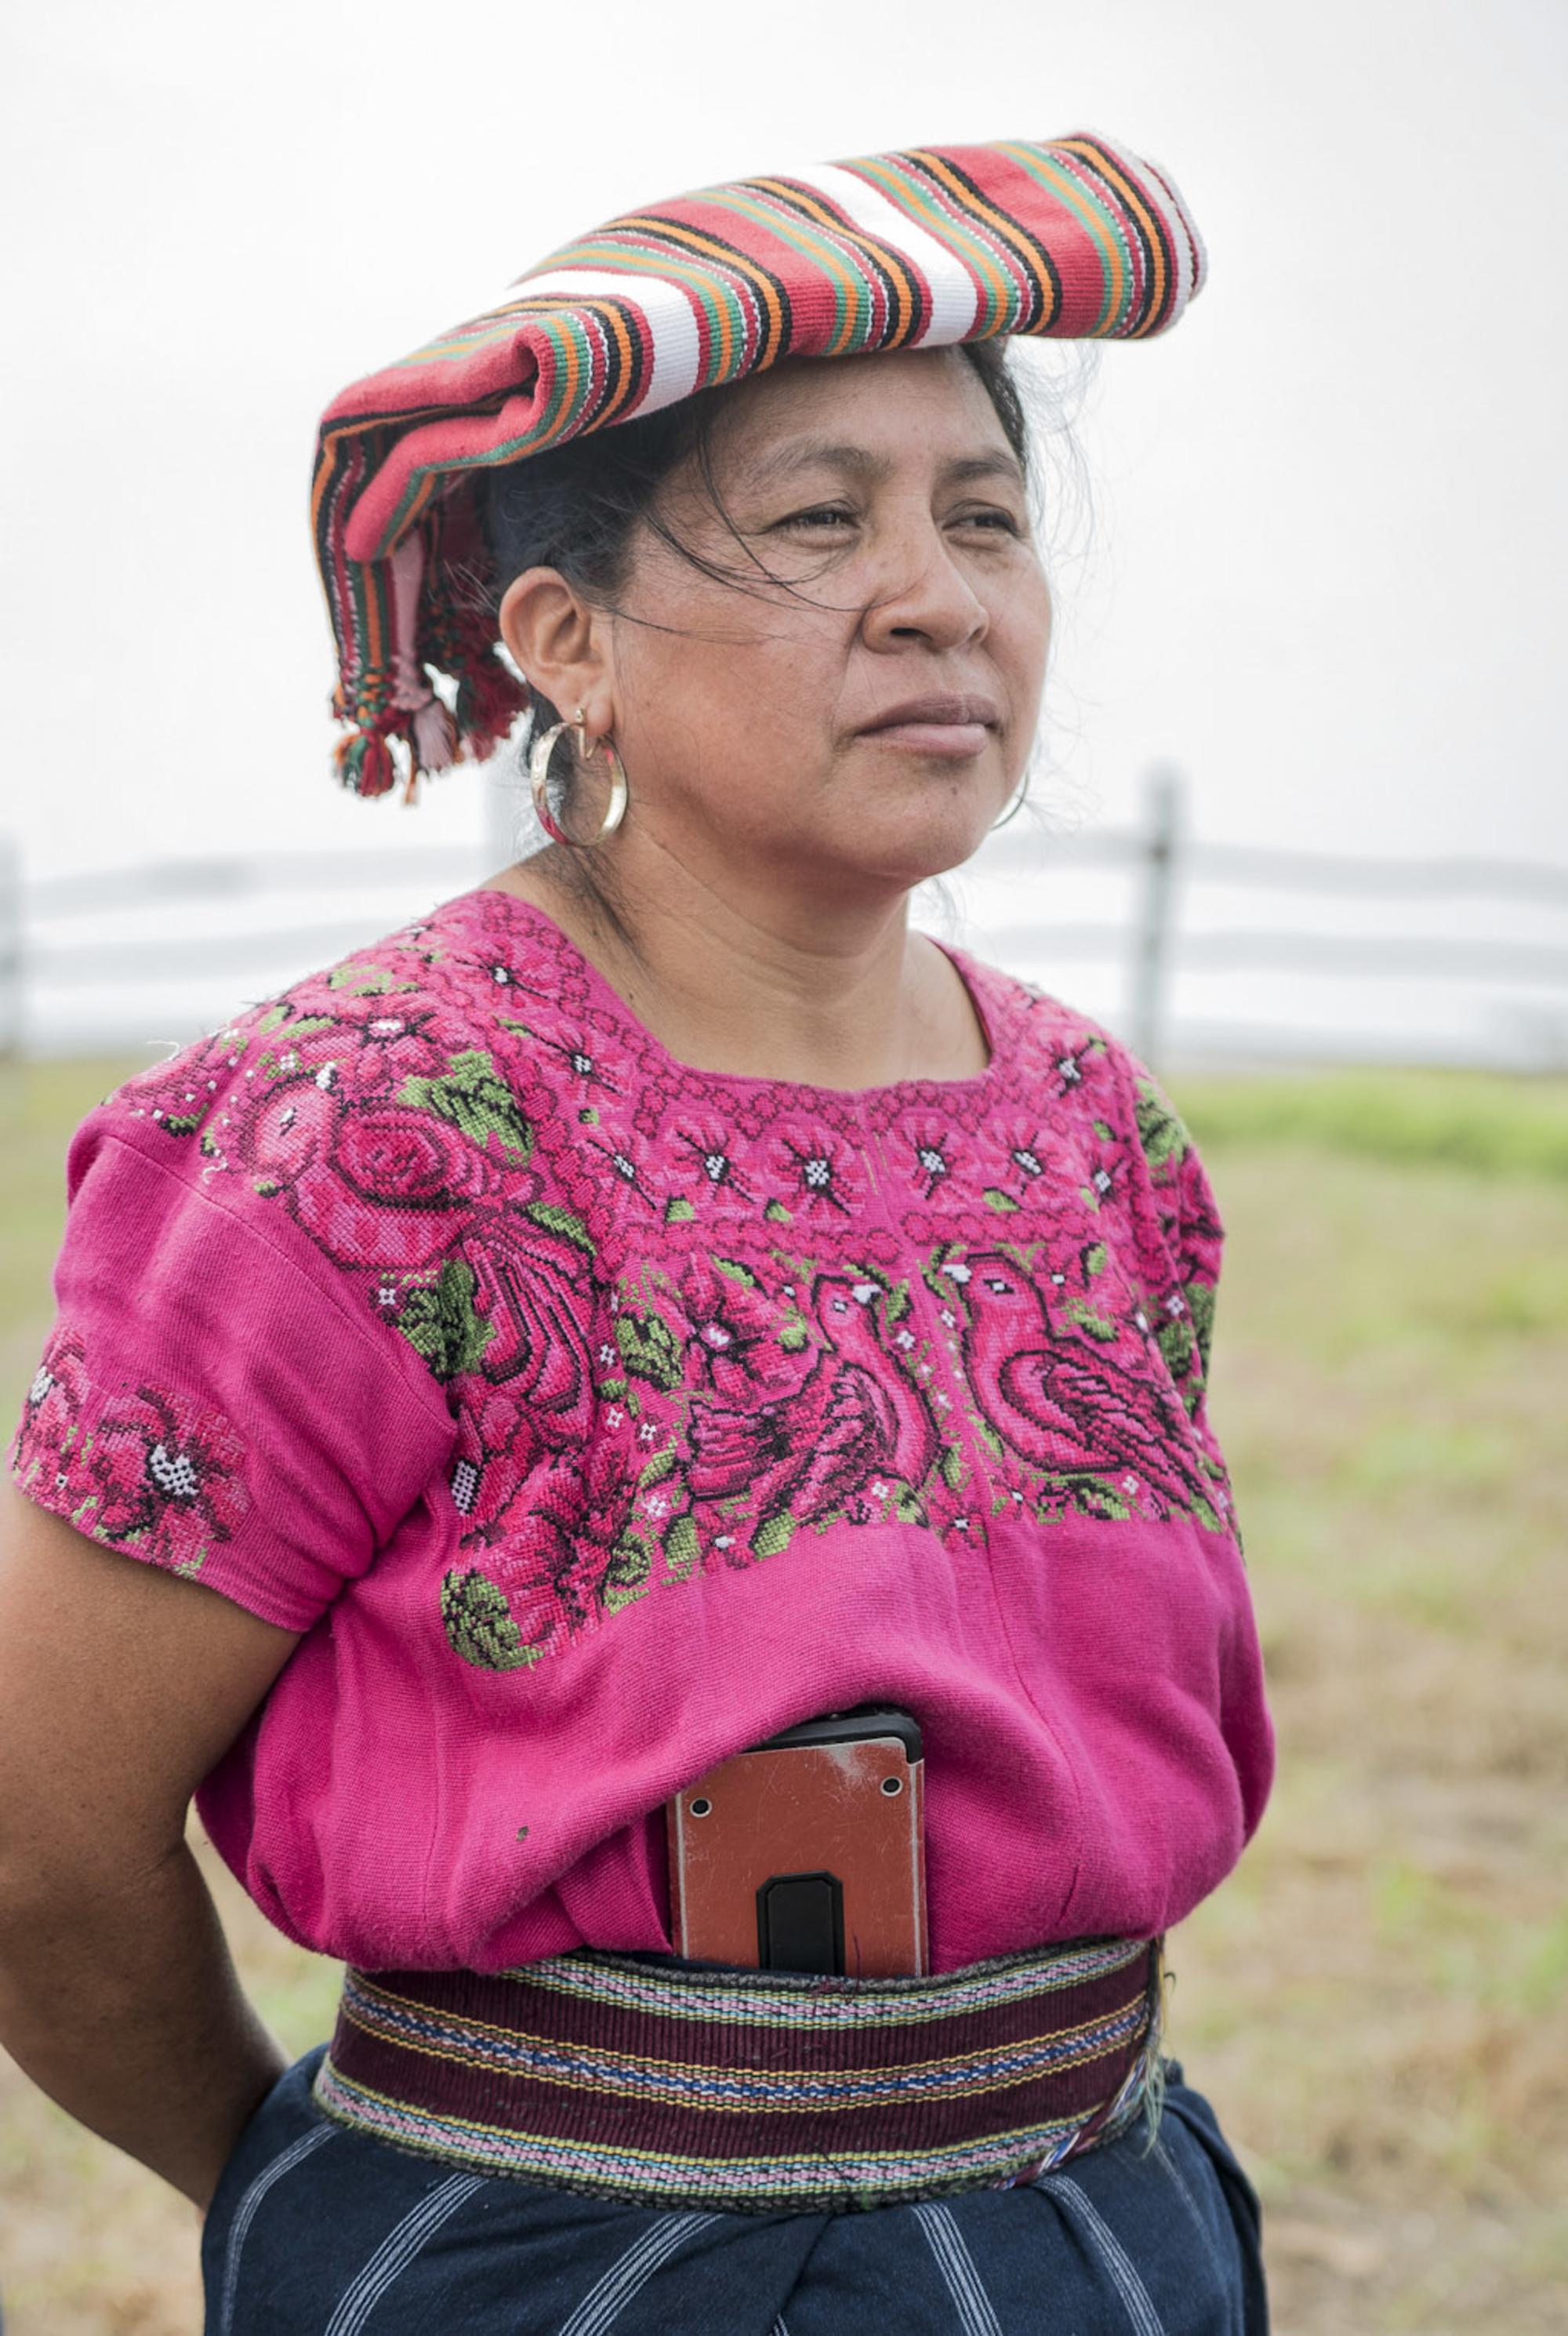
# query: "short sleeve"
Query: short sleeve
{"points": [[209, 1403]]}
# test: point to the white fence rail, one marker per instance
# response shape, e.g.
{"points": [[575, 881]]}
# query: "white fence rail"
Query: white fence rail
{"points": [[53, 942]]}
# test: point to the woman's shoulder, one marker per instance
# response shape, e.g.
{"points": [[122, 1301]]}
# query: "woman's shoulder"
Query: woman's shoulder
{"points": [[408, 1022], [1077, 1065], [373, 1121]]}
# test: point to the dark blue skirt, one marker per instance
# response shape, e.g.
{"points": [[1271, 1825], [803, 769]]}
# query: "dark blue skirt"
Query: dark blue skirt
{"points": [[319, 2231]]}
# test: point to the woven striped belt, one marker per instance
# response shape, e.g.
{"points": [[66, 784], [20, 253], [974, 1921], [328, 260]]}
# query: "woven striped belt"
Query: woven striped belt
{"points": [[683, 2084]]}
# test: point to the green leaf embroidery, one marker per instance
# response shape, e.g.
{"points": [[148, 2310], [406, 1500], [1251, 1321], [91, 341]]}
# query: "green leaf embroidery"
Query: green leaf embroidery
{"points": [[1097, 1325], [794, 1334], [1092, 1496], [736, 1271], [995, 1199], [659, 1466], [472, 1099], [628, 1573], [564, 1222], [989, 1437], [951, 1464], [1174, 1341], [648, 1348], [774, 1533], [1094, 1258], [366, 981], [679, 1212], [908, 1506], [479, 1625], [440, 1323], [777, 1212], [1199, 1298], [1161, 1131], [680, 1546]]}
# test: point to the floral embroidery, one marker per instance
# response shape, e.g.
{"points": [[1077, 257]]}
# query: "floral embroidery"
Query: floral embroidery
{"points": [[142, 1468], [682, 1320]]}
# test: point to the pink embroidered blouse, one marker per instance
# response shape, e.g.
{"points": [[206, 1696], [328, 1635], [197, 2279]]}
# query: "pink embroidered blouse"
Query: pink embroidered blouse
{"points": [[593, 1416]]}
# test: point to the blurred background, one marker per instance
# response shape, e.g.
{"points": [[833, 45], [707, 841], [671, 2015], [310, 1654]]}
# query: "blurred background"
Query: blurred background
{"points": [[1297, 830]]}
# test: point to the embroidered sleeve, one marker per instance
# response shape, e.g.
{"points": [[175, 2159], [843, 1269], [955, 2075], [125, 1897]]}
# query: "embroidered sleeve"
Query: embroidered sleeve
{"points": [[205, 1404], [1189, 1218]]}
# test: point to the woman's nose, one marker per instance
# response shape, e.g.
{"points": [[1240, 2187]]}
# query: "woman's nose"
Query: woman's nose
{"points": [[924, 595]]}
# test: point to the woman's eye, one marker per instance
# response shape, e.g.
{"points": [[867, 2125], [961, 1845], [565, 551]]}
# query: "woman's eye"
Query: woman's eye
{"points": [[992, 519], [821, 515]]}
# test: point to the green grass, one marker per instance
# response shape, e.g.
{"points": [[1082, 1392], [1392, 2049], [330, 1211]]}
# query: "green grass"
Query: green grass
{"points": [[1492, 1123]]}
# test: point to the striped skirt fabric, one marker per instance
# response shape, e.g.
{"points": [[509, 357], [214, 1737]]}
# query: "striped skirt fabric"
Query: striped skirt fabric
{"points": [[320, 2229]]}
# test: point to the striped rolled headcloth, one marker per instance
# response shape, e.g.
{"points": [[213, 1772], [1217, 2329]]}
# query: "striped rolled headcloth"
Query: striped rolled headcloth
{"points": [[1074, 238]]}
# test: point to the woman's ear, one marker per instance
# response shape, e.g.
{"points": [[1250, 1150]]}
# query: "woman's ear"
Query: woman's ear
{"points": [[559, 642]]}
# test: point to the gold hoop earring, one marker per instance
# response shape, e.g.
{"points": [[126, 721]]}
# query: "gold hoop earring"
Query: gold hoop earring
{"points": [[539, 781]]}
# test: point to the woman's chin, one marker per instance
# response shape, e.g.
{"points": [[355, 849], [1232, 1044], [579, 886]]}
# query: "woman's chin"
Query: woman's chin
{"points": [[910, 849]]}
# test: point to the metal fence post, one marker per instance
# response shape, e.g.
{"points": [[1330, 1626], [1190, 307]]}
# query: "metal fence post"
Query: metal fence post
{"points": [[1151, 932], [13, 1001]]}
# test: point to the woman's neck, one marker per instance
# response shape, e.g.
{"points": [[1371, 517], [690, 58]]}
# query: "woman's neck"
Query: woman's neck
{"points": [[833, 995]]}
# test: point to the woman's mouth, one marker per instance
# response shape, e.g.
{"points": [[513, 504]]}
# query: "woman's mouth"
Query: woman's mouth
{"points": [[948, 725]]}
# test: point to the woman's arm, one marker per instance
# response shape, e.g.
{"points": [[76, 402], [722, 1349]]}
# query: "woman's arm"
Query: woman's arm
{"points": [[121, 1686]]}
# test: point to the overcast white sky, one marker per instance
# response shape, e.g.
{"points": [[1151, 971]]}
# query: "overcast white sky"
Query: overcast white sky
{"points": [[1327, 572]]}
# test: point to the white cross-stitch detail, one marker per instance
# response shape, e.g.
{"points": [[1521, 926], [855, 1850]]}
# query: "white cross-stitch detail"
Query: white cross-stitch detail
{"points": [[43, 1380], [173, 1473], [818, 1174], [959, 1273], [465, 1476]]}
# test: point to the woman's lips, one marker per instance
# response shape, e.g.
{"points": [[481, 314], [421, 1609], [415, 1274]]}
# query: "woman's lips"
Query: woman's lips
{"points": [[953, 726]]}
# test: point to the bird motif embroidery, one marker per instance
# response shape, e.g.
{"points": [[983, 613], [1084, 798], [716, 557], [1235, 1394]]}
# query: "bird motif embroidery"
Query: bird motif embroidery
{"points": [[855, 1415], [1067, 1412]]}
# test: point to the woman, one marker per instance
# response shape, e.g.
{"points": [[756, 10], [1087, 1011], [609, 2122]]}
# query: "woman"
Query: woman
{"points": [[655, 1299]]}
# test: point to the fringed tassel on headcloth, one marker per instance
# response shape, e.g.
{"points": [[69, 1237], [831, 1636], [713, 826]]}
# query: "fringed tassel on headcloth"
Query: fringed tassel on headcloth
{"points": [[1076, 239]]}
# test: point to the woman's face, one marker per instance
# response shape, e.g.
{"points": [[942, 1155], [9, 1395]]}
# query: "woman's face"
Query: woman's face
{"points": [[862, 721]]}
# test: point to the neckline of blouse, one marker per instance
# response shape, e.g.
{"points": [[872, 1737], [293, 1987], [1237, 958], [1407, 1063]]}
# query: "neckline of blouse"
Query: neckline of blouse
{"points": [[986, 990]]}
